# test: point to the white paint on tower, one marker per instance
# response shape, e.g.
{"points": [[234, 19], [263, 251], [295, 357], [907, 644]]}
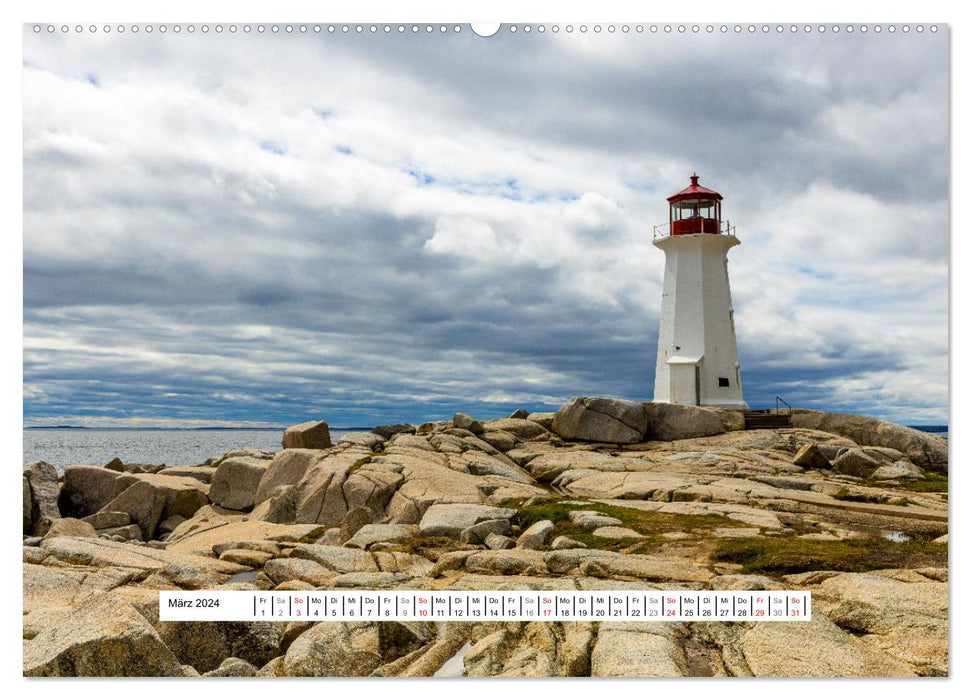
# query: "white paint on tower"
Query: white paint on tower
{"points": [[697, 354]]}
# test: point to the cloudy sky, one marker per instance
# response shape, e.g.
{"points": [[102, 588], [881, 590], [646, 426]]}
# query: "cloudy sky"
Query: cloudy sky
{"points": [[263, 229]]}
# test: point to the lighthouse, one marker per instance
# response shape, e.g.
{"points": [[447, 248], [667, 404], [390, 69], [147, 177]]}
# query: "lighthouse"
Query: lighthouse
{"points": [[697, 355]]}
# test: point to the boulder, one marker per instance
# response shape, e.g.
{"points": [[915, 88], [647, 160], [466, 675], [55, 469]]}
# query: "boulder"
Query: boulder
{"points": [[855, 462], [451, 519], [535, 649], [274, 669], [732, 420], [170, 523], [536, 535], [233, 668], [901, 469], [519, 413], [459, 433], [373, 533], [548, 466], [133, 558], [601, 420], [106, 519], [313, 435], [142, 468], [671, 421], [251, 452], [444, 442], [236, 481], [350, 648], [873, 604], [476, 444], [104, 636], [636, 650], [481, 464], [70, 527], [372, 441], [261, 546], [501, 440], [509, 562], [526, 453], [115, 464], [206, 644], [212, 534], [200, 473], [637, 566], [467, 422], [124, 532], [28, 504], [543, 419], [355, 519], [340, 559], [144, 503], [386, 431], [430, 427], [183, 495], [495, 541], [884, 455], [51, 591], [479, 532], [342, 482], [814, 647], [427, 480], [811, 457], [923, 449], [591, 519], [86, 490], [287, 468], [564, 542], [44, 489], [521, 428], [289, 569], [833, 450]]}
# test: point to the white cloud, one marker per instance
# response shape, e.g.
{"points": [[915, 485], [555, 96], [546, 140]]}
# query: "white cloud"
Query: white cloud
{"points": [[243, 226]]}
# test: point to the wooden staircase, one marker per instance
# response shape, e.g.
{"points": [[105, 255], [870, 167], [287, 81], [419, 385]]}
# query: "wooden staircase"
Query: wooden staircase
{"points": [[765, 418]]}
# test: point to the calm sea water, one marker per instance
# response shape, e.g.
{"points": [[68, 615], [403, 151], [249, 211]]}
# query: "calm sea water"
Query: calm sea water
{"points": [[62, 446]]}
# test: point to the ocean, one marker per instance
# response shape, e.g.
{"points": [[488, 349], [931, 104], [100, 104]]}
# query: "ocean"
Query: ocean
{"points": [[64, 446]]}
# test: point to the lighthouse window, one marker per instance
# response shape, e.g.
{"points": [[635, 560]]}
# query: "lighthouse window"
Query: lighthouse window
{"points": [[693, 208], [723, 381]]}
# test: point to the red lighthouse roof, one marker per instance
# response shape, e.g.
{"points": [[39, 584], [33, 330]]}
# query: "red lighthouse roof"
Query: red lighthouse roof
{"points": [[694, 191]]}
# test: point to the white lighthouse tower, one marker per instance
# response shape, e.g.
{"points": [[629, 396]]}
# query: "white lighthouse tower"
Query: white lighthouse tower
{"points": [[697, 356]]}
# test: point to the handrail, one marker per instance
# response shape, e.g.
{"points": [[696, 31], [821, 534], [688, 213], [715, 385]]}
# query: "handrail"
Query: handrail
{"points": [[780, 399], [726, 228]]}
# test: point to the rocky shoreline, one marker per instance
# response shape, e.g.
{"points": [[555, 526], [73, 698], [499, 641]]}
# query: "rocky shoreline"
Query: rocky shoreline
{"points": [[603, 494]]}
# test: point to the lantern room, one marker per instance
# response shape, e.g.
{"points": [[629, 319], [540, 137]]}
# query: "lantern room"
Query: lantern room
{"points": [[695, 209]]}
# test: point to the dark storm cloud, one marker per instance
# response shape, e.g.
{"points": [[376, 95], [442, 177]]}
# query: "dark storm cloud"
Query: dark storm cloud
{"points": [[372, 229]]}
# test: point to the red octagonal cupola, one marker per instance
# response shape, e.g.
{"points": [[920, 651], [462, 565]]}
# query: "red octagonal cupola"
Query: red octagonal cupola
{"points": [[695, 209]]}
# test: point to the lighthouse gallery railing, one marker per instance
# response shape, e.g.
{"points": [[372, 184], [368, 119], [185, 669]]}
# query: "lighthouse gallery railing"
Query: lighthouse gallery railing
{"points": [[662, 231]]}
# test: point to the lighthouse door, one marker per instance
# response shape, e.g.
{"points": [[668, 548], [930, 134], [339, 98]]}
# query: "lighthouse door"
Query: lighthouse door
{"points": [[685, 375], [684, 384]]}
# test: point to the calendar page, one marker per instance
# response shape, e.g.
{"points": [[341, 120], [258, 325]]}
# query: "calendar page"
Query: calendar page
{"points": [[469, 350]]}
